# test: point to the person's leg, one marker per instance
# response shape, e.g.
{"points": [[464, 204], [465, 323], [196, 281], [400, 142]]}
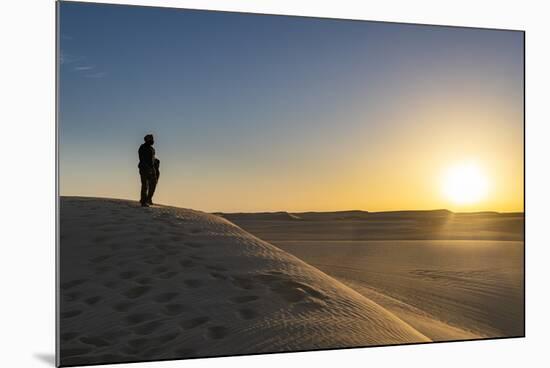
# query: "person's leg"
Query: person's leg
{"points": [[143, 197], [152, 186]]}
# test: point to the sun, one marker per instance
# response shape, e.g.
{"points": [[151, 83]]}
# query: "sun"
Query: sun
{"points": [[465, 183]]}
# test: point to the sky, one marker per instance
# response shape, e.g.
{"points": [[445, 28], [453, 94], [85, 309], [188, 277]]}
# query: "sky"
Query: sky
{"points": [[268, 113]]}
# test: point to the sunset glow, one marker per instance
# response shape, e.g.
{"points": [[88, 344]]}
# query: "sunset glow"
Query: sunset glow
{"points": [[465, 183]]}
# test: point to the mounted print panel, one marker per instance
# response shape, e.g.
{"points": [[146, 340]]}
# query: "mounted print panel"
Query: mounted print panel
{"points": [[235, 183]]}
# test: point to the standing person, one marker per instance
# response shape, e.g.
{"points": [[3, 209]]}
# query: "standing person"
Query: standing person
{"points": [[147, 170]]}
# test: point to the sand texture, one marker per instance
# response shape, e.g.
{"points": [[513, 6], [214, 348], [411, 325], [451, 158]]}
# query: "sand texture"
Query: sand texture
{"points": [[450, 276], [166, 283]]}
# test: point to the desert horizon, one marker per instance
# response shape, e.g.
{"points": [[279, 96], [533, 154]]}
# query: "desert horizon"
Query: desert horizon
{"points": [[342, 210], [359, 211]]}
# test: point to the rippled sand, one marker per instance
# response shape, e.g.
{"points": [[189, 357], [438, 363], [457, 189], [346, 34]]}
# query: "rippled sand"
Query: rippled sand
{"points": [[167, 283]]}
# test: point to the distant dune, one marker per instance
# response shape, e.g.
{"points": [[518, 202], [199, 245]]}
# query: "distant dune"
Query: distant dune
{"points": [[165, 282], [394, 225], [261, 216], [334, 215]]}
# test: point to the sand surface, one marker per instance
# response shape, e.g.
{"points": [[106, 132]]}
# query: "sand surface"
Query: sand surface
{"points": [[446, 289], [166, 283], [427, 268]]}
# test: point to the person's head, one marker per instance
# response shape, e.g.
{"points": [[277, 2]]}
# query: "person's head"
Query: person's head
{"points": [[149, 139]]}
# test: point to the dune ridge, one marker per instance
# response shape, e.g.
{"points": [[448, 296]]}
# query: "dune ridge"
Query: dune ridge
{"points": [[167, 283], [394, 225]]}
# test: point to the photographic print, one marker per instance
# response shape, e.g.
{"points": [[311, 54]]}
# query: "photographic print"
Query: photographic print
{"points": [[235, 183]]}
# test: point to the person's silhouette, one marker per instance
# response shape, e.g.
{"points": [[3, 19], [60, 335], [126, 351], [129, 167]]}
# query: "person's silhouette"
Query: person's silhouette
{"points": [[148, 170]]}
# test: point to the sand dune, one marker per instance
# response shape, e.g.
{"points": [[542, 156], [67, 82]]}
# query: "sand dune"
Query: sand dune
{"points": [[449, 275], [445, 289], [164, 282]]}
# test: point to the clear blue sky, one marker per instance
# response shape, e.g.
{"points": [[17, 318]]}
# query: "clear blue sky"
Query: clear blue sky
{"points": [[259, 112]]}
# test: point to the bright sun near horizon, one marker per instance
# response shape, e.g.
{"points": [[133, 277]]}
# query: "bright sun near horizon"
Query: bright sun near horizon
{"points": [[465, 183]]}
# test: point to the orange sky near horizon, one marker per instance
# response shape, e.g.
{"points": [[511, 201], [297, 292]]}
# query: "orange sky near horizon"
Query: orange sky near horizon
{"points": [[404, 172]]}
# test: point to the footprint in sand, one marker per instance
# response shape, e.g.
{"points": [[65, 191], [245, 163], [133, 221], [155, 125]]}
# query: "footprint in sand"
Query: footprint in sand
{"points": [[136, 292], [290, 295], [173, 309], [71, 313], [100, 239], [193, 283], [75, 351], [176, 238], [70, 284], [247, 313], [112, 358], [243, 282], [107, 229], [244, 299], [100, 259], [169, 249], [122, 263], [123, 307], [289, 290], [185, 352], [144, 280], [71, 297], [115, 247], [130, 351], [160, 269], [68, 336], [139, 342], [154, 351], [92, 300], [159, 259], [218, 276], [194, 322], [102, 269], [216, 268], [268, 278], [128, 274], [95, 341], [110, 284], [137, 318], [187, 263], [165, 297], [115, 334], [168, 275], [217, 332], [293, 291], [148, 328], [167, 337], [194, 244]]}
